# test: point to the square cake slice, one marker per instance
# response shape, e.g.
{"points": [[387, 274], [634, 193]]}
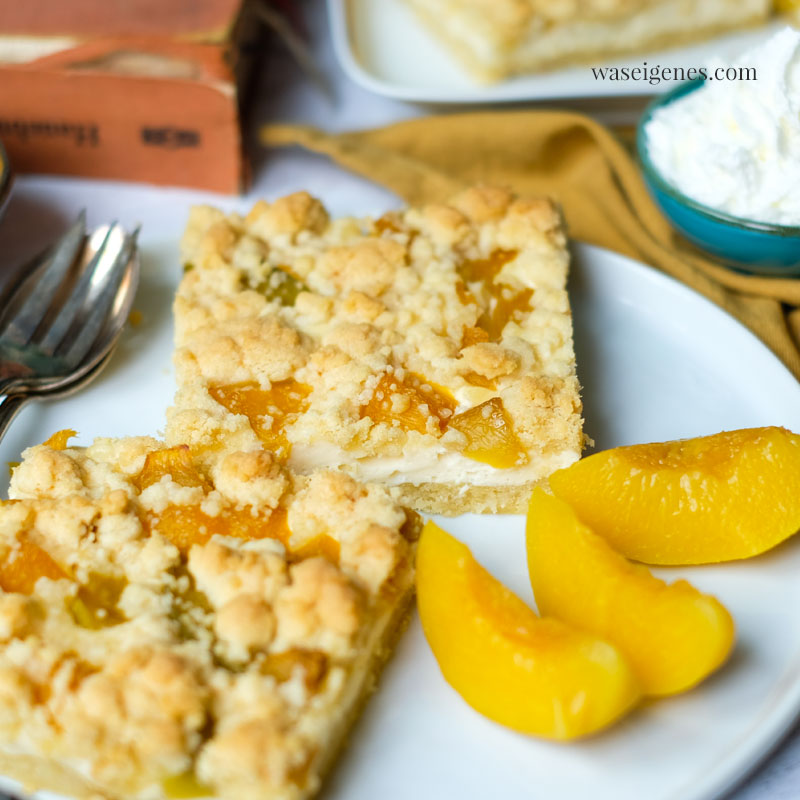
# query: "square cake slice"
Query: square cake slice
{"points": [[429, 350], [499, 38], [175, 629]]}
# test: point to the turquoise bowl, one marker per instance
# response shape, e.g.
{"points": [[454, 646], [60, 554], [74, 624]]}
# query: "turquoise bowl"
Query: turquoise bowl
{"points": [[743, 245]]}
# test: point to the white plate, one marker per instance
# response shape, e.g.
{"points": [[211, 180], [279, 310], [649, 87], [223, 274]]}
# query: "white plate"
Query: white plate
{"points": [[383, 47], [657, 361]]}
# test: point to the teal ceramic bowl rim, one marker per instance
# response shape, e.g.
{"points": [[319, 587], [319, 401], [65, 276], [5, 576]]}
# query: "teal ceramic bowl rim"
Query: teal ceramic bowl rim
{"points": [[655, 177]]}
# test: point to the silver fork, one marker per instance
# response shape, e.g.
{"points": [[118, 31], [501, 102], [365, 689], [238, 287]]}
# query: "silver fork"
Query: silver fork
{"points": [[53, 318], [11, 405]]}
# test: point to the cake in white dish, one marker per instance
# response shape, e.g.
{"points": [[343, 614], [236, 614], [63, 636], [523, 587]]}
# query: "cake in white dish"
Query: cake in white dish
{"points": [[499, 38]]}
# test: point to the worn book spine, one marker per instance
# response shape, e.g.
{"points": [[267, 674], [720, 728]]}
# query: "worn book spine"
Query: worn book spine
{"points": [[152, 110], [195, 20]]}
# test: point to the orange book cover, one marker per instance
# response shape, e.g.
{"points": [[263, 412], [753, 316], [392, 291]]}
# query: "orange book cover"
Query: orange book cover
{"points": [[152, 108], [199, 20]]}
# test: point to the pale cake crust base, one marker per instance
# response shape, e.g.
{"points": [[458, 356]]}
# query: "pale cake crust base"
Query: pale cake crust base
{"points": [[451, 500]]}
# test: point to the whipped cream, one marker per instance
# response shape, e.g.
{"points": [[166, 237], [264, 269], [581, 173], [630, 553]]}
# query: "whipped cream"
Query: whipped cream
{"points": [[735, 145]]}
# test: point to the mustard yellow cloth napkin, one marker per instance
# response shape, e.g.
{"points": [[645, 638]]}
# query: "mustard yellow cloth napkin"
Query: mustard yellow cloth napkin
{"points": [[574, 160]]}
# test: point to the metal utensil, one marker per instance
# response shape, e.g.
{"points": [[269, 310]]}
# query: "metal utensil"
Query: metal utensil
{"points": [[11, 405], [59, 321], [6, 178]]}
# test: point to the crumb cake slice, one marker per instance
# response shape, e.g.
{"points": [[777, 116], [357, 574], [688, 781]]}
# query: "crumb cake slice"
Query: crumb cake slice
{"points": [[499, 38], [170, 629], [429, 350]]}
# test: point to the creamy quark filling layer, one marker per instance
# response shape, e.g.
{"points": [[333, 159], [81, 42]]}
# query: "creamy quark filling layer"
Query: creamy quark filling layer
{"points": [[432, 465]]}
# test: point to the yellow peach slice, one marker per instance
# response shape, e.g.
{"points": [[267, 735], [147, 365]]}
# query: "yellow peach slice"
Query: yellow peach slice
{"points": [[490, 435], [672, 635], [185, 786], [24, 565], [409, 402], [696, 501], [268, 410], [60, 439], [185, 526], [534, 675], [173, 461]]}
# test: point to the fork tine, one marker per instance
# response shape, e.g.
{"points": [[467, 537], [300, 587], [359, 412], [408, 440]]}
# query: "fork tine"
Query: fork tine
{"points": [[89, 324], [23, 325], [15, 283], [87, 288]]}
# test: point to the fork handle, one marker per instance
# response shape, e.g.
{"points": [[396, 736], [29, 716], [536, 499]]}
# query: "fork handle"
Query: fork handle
{"points": [[9, 408], [7, 386]]}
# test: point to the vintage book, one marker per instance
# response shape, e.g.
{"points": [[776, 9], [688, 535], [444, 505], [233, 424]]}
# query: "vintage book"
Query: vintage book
{"points": [[152, 92]]}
